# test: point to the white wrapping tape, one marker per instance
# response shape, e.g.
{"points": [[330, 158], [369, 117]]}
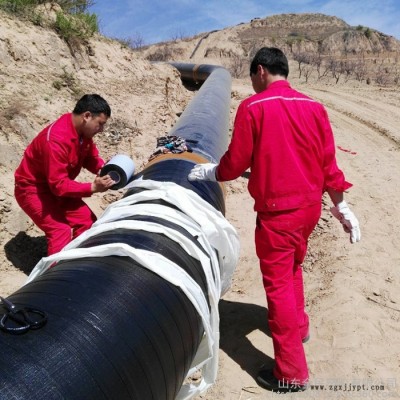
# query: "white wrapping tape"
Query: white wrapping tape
{"points": [[215, 235], [120, 168]]}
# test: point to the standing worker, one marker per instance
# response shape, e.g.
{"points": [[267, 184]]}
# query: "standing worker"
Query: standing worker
{"points": [[44, 181], [286, 139]]}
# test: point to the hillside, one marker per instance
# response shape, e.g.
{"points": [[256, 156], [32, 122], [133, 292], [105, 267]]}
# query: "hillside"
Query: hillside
{"points": [[323, 46], [40, 79], [352, 290]]}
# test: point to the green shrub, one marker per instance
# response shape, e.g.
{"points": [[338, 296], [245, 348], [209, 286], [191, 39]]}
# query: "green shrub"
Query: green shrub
{"points": [[68, 80], [58, 84], [18, 7], [23, 7], [76, 27], [75, 6], [74, 24]]}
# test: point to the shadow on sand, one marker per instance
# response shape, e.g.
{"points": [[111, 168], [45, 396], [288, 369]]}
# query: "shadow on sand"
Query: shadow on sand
{"points": [[237, 322], [25, 251]]}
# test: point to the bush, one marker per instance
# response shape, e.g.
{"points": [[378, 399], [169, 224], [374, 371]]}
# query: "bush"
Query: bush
{"points": [[162, 54], [18, 7], [68, 80], [74, 25], [75, 6], [76, 29], [23, 7], [368, 33]]}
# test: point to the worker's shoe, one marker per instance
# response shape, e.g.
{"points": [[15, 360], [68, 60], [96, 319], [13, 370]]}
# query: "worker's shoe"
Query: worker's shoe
{"points": [[267, 380], [306, 339]]}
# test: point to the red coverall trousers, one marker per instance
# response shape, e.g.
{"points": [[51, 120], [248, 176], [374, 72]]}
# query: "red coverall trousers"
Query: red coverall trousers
{"points": [[60, 218], [281, 245]]}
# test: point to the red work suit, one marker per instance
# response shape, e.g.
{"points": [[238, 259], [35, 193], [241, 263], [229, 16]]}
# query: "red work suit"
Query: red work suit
{"points": [[286, 139], [44, 182]]}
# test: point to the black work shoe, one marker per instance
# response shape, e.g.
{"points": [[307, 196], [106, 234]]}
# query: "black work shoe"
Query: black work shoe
{"points": [[267, 380], [306, 339]]}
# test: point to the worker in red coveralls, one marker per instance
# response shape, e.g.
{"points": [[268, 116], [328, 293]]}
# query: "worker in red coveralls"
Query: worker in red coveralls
{"points": [[44, 181], [286, 139]]}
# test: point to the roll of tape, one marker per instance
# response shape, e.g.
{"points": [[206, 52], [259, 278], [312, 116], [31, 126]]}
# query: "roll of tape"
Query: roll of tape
{"points": [[120, 168]]}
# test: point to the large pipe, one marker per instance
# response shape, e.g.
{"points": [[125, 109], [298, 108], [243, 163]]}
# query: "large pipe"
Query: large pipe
{"points": [[118, 326], [205, 125]]}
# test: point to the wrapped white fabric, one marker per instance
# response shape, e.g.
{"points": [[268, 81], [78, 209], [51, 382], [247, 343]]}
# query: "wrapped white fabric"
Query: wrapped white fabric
{"points": [[216, 236]]}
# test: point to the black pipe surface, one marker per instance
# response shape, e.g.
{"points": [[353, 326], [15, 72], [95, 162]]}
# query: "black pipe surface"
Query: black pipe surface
{"points": [[177, 170], [204, 125], [206, 116]]}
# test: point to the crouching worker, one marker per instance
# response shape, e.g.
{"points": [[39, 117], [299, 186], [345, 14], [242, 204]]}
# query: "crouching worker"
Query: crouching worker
{"points": [[44, 181]]}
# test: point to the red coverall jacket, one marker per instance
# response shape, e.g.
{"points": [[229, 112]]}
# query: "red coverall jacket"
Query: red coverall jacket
{"points": [[54, 159], [44, 182], [286, 139]]}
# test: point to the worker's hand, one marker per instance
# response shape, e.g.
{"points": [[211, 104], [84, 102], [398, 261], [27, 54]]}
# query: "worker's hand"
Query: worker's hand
{"points": [[348, 220], [203, 172], [102, 183]]}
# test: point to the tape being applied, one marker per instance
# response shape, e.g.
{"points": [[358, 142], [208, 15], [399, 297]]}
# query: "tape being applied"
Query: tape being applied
{"points": [[120, 168]]}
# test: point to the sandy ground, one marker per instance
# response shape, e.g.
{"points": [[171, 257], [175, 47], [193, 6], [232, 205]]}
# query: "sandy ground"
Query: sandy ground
{"points": [[353, 291]]}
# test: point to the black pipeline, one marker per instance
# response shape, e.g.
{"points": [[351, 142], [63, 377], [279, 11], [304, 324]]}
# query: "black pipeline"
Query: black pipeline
{"points": [[129, 304]]}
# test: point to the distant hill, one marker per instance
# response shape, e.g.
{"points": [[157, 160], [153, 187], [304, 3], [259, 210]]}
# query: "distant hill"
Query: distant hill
{"points": [[322, 44]]}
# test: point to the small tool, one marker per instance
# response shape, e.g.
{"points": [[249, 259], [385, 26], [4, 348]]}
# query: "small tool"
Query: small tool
{"points": [[21, 319]]}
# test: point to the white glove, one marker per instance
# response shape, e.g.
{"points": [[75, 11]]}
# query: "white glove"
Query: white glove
{"points": [[203, 172], [349, 221]]}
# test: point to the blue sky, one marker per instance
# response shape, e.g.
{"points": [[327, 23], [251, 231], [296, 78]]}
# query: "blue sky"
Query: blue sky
{"points": [[163, 20]]}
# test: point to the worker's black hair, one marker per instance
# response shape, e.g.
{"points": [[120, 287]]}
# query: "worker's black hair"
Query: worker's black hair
{"points": [[272, 59], [92, 103]]}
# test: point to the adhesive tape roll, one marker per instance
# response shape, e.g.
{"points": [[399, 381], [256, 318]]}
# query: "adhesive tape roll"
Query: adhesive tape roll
{"points": [[120, 168]]}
